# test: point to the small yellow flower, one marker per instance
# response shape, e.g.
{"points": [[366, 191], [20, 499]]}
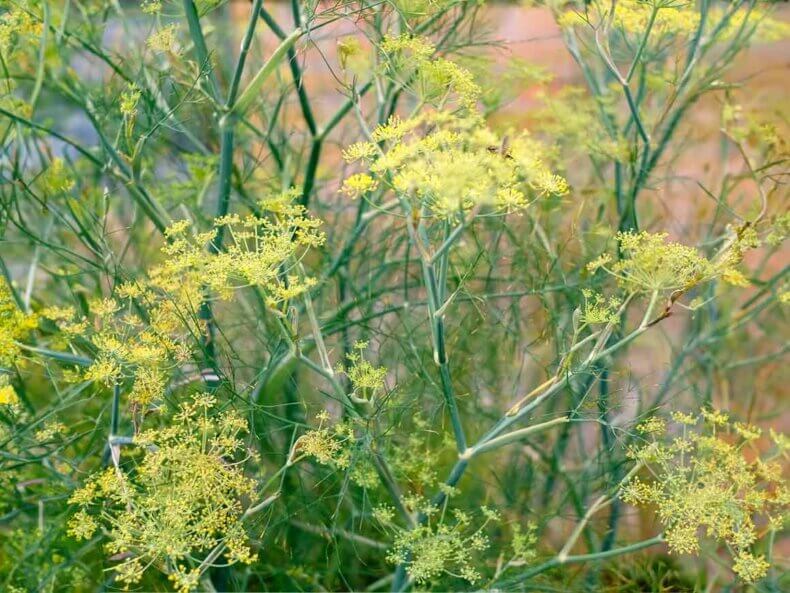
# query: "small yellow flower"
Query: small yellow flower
{"points": [[652, 426], [50, 431], [450, 163], [598, 309], [164, 40], [186, 494], [152, 6], [715, 417], [359, 151], [599, 262], [683, 418], [651, 263], [749, 567], [781, 440], [82, 525], [706, 487], [358, 184], [354, 58], [362, 374], [735, 277], [15, 326], [384, 514], [747, 432], [8, 396], [129, 100]]}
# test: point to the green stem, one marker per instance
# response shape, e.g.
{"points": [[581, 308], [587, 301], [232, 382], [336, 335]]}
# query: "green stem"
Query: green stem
{"points": [[642, 44], [59, 356], [199, 41], [227, 133], [516, 435], [594, 557], [251, 93], [296, 73], [245, 50], [311, 170]]}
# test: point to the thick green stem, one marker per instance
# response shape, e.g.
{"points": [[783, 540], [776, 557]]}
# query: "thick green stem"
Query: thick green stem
{"points": [[199, 41], [227, 134], [594, 557], [243, 53], [252, 91], [312, 168]]}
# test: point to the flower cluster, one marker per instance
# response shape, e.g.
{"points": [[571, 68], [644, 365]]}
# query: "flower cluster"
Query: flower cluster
{"points": [[339, 448], [450, 164], [767, 29], [711, 481], [364, 377], [55, 179], [19, 30], [8, 395], [260, 252], [143, 334], [671, 17], [448, 548], [525, 542], [151, 6], [185, 497], [599, 309], [436, 81], [650, 263], [164, 40], [415, 459], [15, 325], [416, 9], [137, 338], [780, 230], [678, 18]]}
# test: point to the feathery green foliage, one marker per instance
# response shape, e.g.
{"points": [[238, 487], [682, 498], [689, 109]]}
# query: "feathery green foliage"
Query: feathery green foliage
{"points": [[309, 297]]}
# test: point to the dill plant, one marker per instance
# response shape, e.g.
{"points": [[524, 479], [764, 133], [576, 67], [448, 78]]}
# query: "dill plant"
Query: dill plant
{"points": [[258, 334]]}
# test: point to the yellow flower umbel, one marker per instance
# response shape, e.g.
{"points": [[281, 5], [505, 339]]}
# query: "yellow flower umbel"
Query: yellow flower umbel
{"points": [[20, 31], [55, 179], [447, 161], [651, 263], [429, 551], [366, 379], [711, 483], [599, 309], [675, 18], [258, 252], [8, 395], [164, 40], [411, 61], [144, 334], [15, 325], [133, 348], [450, 164], [185, 497], [358, 185], [338, 448], [355, 59]]}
